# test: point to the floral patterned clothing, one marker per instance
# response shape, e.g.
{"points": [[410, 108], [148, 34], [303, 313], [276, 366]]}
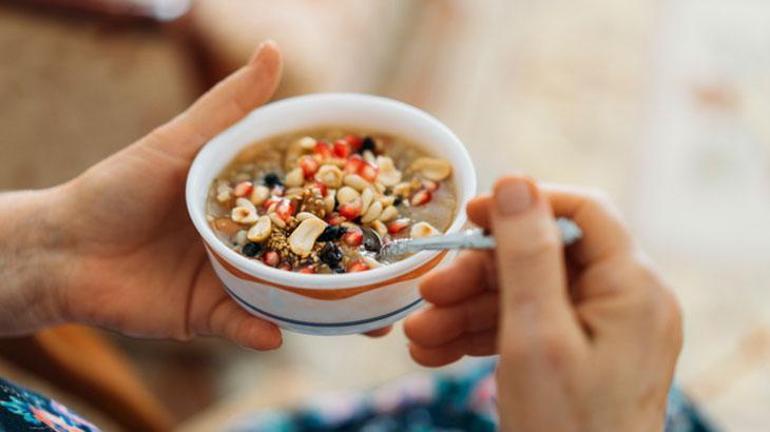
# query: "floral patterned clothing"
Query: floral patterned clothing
{"points": [[22, 410], [444, 402]]}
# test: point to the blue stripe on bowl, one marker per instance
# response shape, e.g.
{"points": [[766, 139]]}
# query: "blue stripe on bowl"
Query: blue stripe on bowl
{"points": [[317, 324]]}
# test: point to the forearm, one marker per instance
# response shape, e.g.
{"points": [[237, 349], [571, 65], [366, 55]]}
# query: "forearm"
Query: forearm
{"points": [[31, 262]]}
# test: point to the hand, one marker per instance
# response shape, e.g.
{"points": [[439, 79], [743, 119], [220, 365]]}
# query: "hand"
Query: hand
{"points": [[131, 259], [588, 339]]}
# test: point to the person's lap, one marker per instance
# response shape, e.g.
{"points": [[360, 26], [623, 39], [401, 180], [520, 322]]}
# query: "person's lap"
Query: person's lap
{"points": [[463, 399]]}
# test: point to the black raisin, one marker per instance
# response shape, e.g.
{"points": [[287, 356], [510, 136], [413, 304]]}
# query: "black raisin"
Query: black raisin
{"points": [[397, 202], [272, 180], [338, 269], [330, 255], [331, 233], [251, 249], [368, 144]]}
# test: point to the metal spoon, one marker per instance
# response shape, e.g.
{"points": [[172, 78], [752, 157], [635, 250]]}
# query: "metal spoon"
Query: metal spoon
{"points": [[470, 239]]}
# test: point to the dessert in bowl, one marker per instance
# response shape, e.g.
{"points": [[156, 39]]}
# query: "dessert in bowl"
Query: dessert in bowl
{"points": [[284, 201]]}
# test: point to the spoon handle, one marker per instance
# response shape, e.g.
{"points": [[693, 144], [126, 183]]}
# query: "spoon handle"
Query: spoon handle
{"points": [[471, 239]]}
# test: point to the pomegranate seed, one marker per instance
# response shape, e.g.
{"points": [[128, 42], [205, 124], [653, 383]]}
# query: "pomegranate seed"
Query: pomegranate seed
{"points": [[243, 188], [334, 219], [353, 237], [354, 164], [309, 166], [430, 185], [320, 187], [398, 225], [421, 197], [270, 201], [357, 266], [341, 149], [271, 258], [286, 209], [285, 267], [322, 150], [307, 270], [368, 172], [352, 209], [355, 141]]}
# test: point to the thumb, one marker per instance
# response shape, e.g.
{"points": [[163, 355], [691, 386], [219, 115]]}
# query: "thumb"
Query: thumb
{"points": [[245, 89], [530, 263]]}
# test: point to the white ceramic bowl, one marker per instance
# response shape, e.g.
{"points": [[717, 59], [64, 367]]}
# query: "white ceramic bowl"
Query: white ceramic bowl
{"points": [[325, 304]]}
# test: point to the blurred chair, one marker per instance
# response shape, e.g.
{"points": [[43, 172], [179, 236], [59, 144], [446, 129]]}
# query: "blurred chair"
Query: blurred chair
{"points": [[82, 363]]}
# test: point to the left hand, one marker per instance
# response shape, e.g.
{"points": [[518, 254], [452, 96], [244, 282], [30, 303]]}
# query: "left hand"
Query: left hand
{"points": [[133, 261]]}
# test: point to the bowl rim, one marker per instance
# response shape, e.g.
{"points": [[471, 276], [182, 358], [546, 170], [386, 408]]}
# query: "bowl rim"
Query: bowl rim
{"points": [[466, 190]]}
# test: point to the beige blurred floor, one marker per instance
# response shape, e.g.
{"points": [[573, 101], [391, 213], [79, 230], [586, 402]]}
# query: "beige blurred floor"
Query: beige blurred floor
{"points": [[664, 104]]}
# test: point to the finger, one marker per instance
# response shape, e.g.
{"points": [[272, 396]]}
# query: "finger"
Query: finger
{"points": [[471, 274], [530, 263], [478, 210], [379, 332], [229, 101], [230, 321], [472, 344], [604, 232], [211, 312], [437, 326]]}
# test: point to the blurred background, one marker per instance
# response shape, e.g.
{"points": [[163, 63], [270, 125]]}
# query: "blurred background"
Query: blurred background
{"points": [[664, 104]]}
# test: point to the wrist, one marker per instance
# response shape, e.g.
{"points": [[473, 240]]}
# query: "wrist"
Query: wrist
{"points": [[32, 262]]}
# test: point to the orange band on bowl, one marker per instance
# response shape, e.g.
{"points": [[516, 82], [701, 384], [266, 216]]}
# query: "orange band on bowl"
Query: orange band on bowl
{"points": [[335, 294]]}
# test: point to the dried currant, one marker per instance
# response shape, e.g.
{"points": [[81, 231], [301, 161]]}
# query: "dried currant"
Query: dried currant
{"points": [[331, 233], [251, 249], [272, 180], [330, 255]]}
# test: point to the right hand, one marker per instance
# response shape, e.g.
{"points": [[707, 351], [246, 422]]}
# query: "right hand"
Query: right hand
{"points": [[588, 339]]}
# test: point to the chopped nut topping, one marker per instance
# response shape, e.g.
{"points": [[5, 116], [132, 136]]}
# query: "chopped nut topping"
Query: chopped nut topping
{"points": [[431, 168], [330, 176], [356, 182], [304, 204], [302, 239], [295, 178], [423, 229], [261, 230], [313, 202], [367, 196], [347, 194], [372, 213]]}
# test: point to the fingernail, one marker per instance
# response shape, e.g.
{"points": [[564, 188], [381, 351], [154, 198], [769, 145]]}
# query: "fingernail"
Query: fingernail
{"points": [[259, 50], [514, 195]]}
